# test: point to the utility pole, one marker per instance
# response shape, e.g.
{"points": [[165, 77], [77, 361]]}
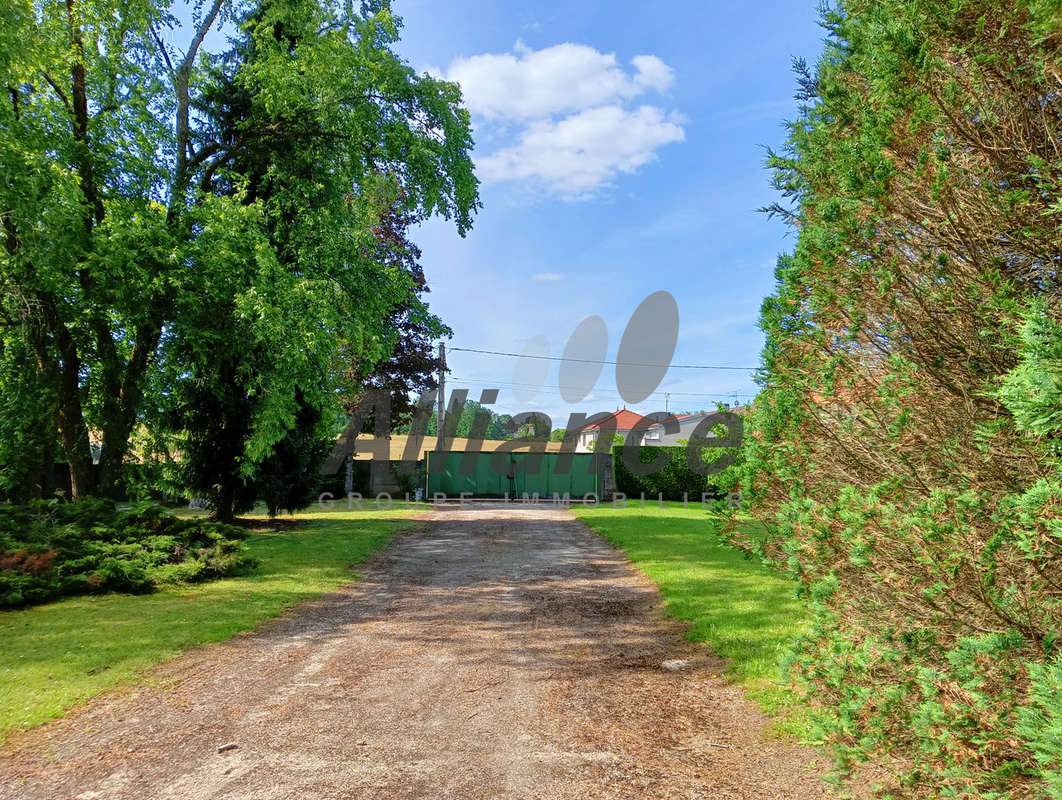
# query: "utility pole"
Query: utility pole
{"points": [[442, 398], [667, 402]]}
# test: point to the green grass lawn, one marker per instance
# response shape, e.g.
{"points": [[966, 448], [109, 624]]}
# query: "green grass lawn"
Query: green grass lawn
{"points": [[740, 609], [57, 655]]}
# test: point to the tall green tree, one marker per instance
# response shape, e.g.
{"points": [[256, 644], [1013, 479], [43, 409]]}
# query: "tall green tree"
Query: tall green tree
{"points": [[327, 167], [411, 330], [148, 188], [97, 153], [902, 442]]}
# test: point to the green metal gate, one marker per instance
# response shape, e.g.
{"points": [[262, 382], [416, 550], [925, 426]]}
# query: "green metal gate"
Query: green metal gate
{"points": [[515, 479]]}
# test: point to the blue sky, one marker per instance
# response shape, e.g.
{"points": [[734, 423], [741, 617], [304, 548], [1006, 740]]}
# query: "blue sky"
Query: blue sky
{"points": [[621, 149]]}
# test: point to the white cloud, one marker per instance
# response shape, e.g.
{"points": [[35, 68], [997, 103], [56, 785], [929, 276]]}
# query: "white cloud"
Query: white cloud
{"points": [[526, 83], [547, 276], [583, 151], [574, 131], [653, 73]]}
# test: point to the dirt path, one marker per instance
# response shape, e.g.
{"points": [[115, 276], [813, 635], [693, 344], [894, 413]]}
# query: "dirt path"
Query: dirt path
{"points": [[501, 652]]}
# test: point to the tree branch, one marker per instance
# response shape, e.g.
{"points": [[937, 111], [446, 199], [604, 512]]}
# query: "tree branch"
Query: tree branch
{"points": [[165, 53], [197, 40], [181, 79], [60, 92]]}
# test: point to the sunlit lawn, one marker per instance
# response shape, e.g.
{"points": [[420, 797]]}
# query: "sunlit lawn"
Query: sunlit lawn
{"points": [[735, 605], [59, 654]]}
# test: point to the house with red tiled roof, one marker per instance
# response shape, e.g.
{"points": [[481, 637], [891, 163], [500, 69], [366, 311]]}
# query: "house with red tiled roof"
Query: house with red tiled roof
{"points": [[620, 421]]}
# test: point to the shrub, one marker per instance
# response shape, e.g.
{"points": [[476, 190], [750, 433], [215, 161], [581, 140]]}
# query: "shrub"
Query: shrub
{"points": [[906, 443], [673, 481], [1040, 723], [49, 549]]}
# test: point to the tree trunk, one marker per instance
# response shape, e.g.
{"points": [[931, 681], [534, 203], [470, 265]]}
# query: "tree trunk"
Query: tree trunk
{"points": [[72, 426], [48, 483], [109, 475], [223, 503], [121, 414]]}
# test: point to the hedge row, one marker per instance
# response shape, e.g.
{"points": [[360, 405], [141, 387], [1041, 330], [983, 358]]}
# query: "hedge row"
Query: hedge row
{"points": [[674, 480]]}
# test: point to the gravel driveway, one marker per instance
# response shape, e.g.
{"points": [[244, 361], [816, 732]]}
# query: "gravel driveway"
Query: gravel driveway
{"points": [[500, 652]]}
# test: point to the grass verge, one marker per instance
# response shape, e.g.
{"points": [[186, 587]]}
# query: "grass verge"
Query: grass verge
{"points": [[55, 656], [740, 609]]}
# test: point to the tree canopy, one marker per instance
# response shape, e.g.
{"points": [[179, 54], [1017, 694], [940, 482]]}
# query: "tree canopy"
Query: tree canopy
{"points": [[190, 235], [906, 440]]}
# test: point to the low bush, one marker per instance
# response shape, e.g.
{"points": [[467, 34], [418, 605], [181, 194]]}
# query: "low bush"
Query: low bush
{"points": [[49, 549]]}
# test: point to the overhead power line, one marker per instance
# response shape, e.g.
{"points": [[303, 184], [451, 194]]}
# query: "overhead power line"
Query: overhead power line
{"points": [[552, 390], [596, 361]]}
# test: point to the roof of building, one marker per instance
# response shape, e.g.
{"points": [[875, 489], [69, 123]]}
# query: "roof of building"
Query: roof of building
{"points": [[680, 418], [625, 421], [739, 410], [396, 446]]}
